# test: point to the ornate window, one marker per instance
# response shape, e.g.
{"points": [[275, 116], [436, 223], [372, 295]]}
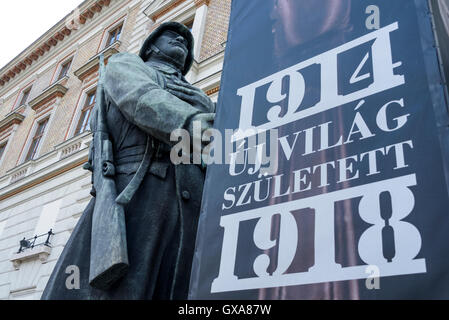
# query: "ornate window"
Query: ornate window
{"points": [[2, 150], [83, 122], [114, 35], [64, 69], [36, 139], [25, 96]]}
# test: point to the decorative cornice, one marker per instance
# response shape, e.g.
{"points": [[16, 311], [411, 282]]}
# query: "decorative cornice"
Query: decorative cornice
{"points": [[56, 90], [93, 63], [47, 42], [11, 119]]}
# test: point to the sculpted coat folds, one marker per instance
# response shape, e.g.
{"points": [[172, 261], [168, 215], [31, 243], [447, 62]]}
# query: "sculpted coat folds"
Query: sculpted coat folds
{"points": [[146, 97]]}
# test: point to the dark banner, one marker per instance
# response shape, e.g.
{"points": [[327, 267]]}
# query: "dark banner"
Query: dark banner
{"points": [[334, 186]]}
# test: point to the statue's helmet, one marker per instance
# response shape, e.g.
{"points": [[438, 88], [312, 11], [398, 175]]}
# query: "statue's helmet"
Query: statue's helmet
{"points": [[178, 28]]}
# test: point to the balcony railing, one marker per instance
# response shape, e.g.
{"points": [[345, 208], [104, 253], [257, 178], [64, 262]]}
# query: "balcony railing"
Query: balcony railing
{"points": [[33, 242]]}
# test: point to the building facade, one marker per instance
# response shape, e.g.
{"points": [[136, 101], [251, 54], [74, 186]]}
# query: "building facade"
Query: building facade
{"points": [[46, 96]]}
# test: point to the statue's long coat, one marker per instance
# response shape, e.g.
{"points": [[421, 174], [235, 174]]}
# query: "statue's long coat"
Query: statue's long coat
{"points": [[161, 218]]}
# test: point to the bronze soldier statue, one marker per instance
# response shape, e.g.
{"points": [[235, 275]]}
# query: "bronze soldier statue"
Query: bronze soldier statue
{"points": [[136, 238]]}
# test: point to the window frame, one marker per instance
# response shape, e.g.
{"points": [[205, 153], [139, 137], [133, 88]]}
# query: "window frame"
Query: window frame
{"points": [[68, 62], [24, 96], [110, 26], [3, 147], [110, 35], [32, 156], [85, 107], [76, 115], [5, 141]]}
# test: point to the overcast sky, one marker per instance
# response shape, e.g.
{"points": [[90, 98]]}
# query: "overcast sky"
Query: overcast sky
{"points": [[24, 21]]}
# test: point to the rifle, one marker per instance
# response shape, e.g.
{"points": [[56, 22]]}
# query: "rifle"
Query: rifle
{"points": [[108, 255]]}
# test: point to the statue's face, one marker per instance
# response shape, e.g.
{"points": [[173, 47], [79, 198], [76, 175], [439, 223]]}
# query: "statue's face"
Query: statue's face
{"points": [[173, 45]]}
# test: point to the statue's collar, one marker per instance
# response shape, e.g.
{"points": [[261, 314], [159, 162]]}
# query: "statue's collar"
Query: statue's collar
{"points": [[165, 68]]}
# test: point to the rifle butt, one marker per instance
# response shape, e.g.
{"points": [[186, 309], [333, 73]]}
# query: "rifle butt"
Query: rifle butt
{"points": [[109, 255]]}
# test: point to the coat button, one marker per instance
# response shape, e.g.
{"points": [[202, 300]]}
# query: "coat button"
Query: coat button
{"points": [[186, 195]]}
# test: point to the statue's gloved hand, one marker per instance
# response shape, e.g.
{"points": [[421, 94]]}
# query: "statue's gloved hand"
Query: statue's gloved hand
{"points": [[191, 94], [205, 121]]}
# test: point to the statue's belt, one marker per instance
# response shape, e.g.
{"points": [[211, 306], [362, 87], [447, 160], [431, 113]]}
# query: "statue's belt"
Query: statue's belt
{"points": [[157, 168], [139, 160], [136, 154], [129, 155]]}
